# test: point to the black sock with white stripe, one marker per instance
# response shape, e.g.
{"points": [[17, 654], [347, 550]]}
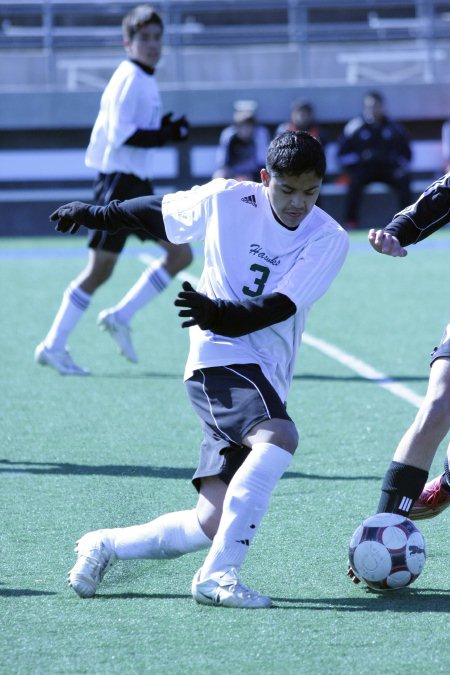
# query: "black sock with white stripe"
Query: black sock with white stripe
{"points": [[402, 485]]}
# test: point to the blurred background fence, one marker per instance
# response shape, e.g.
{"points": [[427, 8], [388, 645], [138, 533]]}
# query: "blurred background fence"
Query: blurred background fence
{"points": [[56, 57]]}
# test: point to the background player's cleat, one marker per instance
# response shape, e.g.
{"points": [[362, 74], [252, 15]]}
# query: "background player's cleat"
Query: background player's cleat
{"points": [[59, 359], [120, 333], [94, 559], [225, 590], [433, 500]]}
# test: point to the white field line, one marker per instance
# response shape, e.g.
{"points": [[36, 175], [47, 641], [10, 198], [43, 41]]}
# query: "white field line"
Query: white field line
{"points": [[364, 369], [360, 367]]}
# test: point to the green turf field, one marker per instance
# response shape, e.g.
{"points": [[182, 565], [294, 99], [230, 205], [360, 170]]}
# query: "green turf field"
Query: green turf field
{"points": [[119, 448]]}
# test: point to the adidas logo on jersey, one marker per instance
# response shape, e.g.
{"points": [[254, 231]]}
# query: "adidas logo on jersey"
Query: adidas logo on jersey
{"points": [[251, 199]]}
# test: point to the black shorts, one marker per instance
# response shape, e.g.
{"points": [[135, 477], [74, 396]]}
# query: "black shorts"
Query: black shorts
{"points": [[117, 186], [230, 400], [443, 349]]}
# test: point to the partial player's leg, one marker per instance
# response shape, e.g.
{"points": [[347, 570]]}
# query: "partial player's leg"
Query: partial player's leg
{"points": [[435, 496], [400, 181], [407, 475], [152, 281], [246, 502], [248, 443], [355, 189], [169, 536], [53, 350], [405, 490]]}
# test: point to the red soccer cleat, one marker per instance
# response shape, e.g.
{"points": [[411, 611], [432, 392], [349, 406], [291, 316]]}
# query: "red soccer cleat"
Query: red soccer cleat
{"points": [[434, 499], [352, 574]]}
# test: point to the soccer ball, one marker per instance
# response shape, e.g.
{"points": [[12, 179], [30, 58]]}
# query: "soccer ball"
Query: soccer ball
{"points": [[387, 551]]}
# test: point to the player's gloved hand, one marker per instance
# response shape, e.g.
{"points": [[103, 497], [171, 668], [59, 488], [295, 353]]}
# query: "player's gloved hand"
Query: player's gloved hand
{"points": [[202, 310], [69, 217], [174, 130], [352, 574], [166, 119]]}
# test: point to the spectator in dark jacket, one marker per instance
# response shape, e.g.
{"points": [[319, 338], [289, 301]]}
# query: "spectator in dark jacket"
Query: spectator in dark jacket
{"points": [[374, 148], [303, 118], [242, 149]]}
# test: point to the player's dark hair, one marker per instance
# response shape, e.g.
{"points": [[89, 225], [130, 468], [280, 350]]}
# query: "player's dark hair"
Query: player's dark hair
{"points": [[376, 95], [140, 16], [296, 152]]}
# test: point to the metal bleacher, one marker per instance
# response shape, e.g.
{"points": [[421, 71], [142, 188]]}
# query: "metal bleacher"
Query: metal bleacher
{"points": [[77, 30], [56, 56]]}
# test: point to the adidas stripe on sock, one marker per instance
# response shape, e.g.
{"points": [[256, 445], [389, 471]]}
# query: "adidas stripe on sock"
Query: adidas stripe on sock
{"points": [[402, 485]]}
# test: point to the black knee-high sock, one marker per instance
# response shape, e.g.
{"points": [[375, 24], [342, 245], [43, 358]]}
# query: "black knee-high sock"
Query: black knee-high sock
{"points": [[402, 485]]}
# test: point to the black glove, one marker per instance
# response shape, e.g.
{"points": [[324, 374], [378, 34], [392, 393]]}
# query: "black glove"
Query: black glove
{"points": [[201, 309], [70, 217], [174, 130], [166, 119]]}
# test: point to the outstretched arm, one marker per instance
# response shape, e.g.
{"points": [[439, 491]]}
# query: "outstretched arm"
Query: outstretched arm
{"points": [[232, 319], [142, 213], [415, 223], [386, 243]]}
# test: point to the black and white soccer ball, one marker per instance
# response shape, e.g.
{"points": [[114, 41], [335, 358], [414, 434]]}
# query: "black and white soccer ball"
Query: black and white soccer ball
{"points": [[387, 552]]}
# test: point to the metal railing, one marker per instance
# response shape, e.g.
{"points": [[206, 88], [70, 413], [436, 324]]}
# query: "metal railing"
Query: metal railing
{"points": [[55, 30]]}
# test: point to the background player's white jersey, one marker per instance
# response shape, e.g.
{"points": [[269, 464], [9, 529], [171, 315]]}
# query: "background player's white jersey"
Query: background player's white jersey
{"points": [[130, 101], [249, 253]]}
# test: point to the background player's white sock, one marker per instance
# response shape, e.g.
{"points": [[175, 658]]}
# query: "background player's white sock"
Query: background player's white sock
{"points": [[168, 536], [73, 305], [151, 282], [246, 502]]}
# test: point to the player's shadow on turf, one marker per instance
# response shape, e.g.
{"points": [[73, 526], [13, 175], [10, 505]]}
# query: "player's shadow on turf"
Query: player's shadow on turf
{"points": [[359, 378], [139, 376], [301, 376], [143, 596], [20, 592], [408, 600], [137, 471]]}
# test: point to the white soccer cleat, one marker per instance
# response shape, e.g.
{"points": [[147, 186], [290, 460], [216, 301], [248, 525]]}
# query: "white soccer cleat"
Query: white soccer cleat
{"points": [[225, 590], [120, 333], [94, 559], [59, 359]]}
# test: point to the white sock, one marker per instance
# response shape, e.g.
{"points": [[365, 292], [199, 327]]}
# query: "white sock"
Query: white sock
{"points": [[246, 502], [168, 536], [151, 282], [73, 305]]}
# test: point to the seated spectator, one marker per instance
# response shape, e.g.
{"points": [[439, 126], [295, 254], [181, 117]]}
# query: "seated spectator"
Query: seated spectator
{"points": [[303, 118], [243, 145], [446, 146], [374, 148]]}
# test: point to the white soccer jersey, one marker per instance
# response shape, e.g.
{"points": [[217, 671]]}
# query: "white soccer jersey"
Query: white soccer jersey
{"points": [[249, 253], [131, 101]]}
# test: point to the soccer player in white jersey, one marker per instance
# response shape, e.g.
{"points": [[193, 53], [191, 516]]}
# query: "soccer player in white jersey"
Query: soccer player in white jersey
{"points": [[128, 128], [270, 253]]}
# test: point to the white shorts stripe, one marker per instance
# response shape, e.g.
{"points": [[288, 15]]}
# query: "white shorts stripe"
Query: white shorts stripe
{"points": [[253, 383], [211, 411]]}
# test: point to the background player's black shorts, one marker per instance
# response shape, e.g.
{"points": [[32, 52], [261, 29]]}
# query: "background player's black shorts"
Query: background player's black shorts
{"points": [[230, 400], [443, 349], [117, 186]]}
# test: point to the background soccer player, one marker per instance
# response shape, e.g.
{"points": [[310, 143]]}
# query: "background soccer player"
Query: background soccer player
{"points": [[128, 127]]}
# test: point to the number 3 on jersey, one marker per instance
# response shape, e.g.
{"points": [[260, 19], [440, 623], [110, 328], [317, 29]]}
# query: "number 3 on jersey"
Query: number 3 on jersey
{"points": [[259, 281]]}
